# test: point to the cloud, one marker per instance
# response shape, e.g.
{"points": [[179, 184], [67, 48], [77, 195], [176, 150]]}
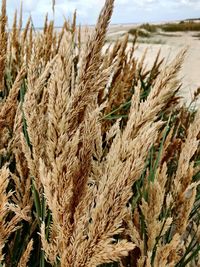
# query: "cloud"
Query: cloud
{"points": [[29, 5], [125, 10], [178, 5]]}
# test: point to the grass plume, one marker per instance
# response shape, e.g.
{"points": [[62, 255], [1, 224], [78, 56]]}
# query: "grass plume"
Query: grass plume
{"points": [[99, 159]]}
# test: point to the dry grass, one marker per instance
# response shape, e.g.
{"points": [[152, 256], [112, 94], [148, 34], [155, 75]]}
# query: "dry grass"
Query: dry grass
{"points": [[99, 161], [139, 32], [181, 26]]}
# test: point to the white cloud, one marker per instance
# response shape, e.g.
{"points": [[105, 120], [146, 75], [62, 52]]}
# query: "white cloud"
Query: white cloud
{"points": [[30, 5], [125, 10]]}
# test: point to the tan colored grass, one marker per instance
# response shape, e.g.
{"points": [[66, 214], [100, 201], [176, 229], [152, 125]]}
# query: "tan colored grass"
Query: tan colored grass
{"points": [[7, 227], [3, 43], [25, 257], [80, 182]]}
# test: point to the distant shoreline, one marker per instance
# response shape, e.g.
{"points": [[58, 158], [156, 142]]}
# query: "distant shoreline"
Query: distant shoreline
{"points": [[126, 23]]}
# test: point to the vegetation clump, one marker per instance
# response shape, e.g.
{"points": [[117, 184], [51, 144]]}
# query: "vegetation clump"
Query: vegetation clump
{"points": [[149, 27], [181, 27], [149, 30], [139, 32]]}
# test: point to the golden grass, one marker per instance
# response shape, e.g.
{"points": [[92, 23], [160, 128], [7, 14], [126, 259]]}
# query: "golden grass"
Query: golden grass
{"points": [[99, 160]]}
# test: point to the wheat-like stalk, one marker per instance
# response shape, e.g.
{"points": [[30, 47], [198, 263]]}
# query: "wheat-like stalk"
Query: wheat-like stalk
{"points": [[99, 161]]}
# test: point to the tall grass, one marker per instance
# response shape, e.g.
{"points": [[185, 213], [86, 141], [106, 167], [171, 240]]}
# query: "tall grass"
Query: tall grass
{"points": [[99, 160]]}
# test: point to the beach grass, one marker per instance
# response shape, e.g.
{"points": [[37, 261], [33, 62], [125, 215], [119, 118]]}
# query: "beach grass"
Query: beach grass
{"points": [[99, 157]]}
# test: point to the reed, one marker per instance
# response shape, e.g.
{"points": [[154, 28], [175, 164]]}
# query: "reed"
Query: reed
{"points": [[99, 158]]}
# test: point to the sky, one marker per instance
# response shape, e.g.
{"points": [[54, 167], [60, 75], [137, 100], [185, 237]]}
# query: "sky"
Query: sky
{"points": [[126, 11]]}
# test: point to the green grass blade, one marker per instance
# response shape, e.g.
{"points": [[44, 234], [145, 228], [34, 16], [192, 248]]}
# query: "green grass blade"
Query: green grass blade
{"points": [[37, 203]]}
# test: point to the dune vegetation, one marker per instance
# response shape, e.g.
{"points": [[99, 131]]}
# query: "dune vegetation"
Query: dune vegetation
{"points": [[99, 156], [149, 30], [182, 26]]}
